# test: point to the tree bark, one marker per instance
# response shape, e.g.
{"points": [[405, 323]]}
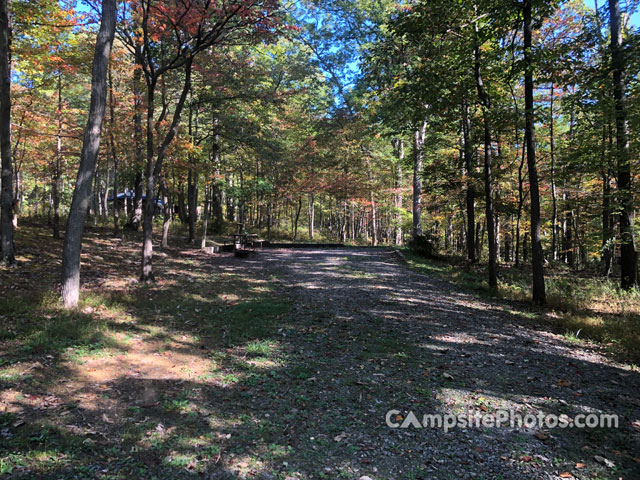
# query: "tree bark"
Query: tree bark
{"points": [[398, 147], [607, 220], [297, 217], [471, 193], [488, 182], [372, 199], [628, 254], [217, 191], [166, 209], [6, 197], [418, 155], [57, 166], [154, 168], [205, 218], [114, 155], [192, 202], [554, 194], [88, 158], [136, 211], [312, 215], [537, 257]]}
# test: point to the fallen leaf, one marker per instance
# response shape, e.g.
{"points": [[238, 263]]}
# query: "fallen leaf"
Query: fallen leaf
{"points": [[566, 475], [604, 461], [339, 438]]}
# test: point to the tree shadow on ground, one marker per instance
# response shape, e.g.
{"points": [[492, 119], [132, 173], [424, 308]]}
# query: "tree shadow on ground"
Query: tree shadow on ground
{"points": [[285, 364]]}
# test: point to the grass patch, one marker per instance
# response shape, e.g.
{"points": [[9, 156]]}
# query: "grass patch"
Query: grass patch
{"points": [[259, 348]]}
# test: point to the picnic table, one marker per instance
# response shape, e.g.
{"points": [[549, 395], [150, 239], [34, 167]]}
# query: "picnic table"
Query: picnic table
{"points": [[244, 241]]}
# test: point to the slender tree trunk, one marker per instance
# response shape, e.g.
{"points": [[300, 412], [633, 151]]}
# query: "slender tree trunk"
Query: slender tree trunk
{"points": [[554, 194], [182, 206], [418, 155], [88, 158], [136, 211], [94, 205], [231, 205], [372, 199], [166, 209], [398, 147], [521, 194], [488, 182], [343, 223], [607, 220], [217, 192], [104, 194], [154, 168], [469, 172], [537, 257], [57, 168], [297, 217], [205, 218], [628, 254], [114, 155], [269, 218], [6, 197], [568, 236], [312, 215], [192, 202]]}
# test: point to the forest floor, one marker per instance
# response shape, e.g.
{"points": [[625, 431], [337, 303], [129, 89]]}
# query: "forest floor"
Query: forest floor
{"points": [[284, 366]]}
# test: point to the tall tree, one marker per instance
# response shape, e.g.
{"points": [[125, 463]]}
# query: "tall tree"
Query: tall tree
{"points": [[183, 31], [418, 157], [628, 254], [537, 257], [485, 101], [469, 172], [6, 197], [88, 158]]}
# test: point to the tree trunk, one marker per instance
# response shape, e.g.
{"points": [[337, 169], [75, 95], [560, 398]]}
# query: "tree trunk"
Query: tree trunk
{"points": [[312, 215], [57, 167], [607, 220], [568, 237], [6, 197], [104, 194], [554, 194], [471, 194], [166, 210], [136, 211], [488, 182], [537, 257], [114, 155], [231, 206], [628, 254], [205, 218], [372, 199], [398, 148], [88, 158], [217, 192], [418, 155], [154, 168], [297, 217], [192, 202]]}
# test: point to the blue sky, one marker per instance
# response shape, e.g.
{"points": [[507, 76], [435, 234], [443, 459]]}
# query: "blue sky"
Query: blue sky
{"points": [[635, 18]]}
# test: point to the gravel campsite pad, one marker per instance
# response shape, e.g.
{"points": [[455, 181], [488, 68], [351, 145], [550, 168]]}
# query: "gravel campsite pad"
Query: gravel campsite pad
{"points": [[285, 364]]}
